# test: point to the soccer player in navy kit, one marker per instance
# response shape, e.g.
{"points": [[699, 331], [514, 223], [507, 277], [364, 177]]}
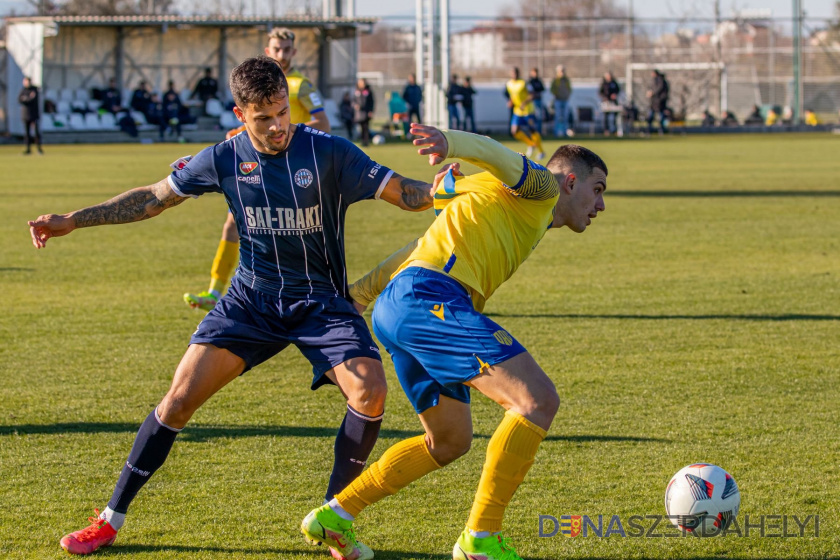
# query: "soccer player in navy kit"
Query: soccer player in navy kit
{"points": [[288, 187]]}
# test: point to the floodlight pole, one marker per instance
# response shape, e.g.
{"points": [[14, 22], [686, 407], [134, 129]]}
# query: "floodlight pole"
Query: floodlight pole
{"points": [[797, 61]]}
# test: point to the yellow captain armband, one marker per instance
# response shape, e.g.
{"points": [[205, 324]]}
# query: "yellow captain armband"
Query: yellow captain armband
{"points": [[368, 287]]}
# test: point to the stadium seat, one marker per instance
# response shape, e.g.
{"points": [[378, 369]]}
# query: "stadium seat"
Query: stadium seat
{"points": [[47, 124], [63, 107], [214, 108], [66, 95], [61, 122], [141, 122], [76, 122], [108, 121], [82, 94], [79, 104], [228, 120], [92, 121], [184, 95], [93, 105], [51, 94]]}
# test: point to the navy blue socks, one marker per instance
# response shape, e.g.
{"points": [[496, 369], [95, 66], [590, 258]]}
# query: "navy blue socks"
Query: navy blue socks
{"points": [[353, 444]]}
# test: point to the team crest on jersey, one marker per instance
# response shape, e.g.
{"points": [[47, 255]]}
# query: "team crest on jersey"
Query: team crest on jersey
{"points": [[503, 337], [303, 178], [247, 166]]}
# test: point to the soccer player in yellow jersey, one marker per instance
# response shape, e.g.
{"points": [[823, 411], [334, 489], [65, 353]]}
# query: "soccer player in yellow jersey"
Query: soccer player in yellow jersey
{"points": [[429, 319], [523, 125], [306, 108]]}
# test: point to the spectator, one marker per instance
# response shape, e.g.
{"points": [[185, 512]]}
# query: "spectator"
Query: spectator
{"points": [[111, 98], [772, 117], [453, 98], [561, 89], [30, 112], [207, 87], [347, 114], [755, 117], [171, 113], [141, 98], [811, 118], [536, 86], [608, 92], [413, 95], [728, 118], [708, 118], [364, 104], [658, 95], [467, 93]]}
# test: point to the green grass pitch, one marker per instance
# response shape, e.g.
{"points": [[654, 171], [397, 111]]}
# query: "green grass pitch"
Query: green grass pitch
{"points": [[697, 319]]}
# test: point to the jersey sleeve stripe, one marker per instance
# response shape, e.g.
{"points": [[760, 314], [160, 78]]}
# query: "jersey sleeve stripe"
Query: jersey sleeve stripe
{"points": [[524, 173], [384, 182], [176, 190], [450, 263], [314, 111]]}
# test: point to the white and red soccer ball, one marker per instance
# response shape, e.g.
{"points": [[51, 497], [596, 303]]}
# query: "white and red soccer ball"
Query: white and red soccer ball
{"points": [[702, 499]]}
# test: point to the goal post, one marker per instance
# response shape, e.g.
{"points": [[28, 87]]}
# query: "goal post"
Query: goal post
{"points": [[694, 79]]}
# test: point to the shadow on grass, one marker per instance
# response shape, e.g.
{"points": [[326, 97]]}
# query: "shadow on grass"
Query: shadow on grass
{"points": [[200, 433], [641, 317], [722, 194], [15, 269]]}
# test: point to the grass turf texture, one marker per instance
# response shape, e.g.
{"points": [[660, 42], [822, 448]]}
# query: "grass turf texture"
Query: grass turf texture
{"points": [[696, 320]]}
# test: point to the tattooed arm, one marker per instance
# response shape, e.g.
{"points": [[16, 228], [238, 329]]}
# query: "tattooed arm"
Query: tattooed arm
{"points": [[408, 194], [131, 206]]}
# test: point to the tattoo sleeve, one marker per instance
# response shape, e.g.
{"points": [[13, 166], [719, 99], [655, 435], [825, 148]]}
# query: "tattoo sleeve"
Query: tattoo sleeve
{"points": [[131, 206], [415, 195]]}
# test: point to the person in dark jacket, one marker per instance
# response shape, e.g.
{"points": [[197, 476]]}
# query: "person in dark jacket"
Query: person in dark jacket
{"points": [[141, 99], [608, 93], [467, 93], [112, 98], [413, 95], [207, 87], [658, 95], [453, 98], [535, 84], [364, 104], [30, 112], [347, 114]]}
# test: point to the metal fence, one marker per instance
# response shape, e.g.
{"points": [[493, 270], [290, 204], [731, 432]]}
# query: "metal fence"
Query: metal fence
{"points": [[757, 53]]}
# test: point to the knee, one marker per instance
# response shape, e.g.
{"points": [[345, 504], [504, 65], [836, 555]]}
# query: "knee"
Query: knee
{"points": [[175, 410], [368, 396], [541, 406], [446, 449]]}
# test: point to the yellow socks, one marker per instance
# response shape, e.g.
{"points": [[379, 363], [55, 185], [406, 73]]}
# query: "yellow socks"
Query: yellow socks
{"points": [[522, 137], [400, 465], [223, 264], [509, 456], [537, 139]]}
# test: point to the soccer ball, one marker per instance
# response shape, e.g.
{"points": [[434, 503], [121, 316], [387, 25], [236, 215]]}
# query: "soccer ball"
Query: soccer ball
{"points": [[702, 499], [378, 139]]}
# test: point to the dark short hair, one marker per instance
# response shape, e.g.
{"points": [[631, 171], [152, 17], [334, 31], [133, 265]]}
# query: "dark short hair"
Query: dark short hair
{"points": [[571, 157], [257, 80]]}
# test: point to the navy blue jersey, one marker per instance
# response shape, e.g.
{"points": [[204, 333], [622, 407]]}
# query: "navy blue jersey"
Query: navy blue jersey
{"points": [[289, 207]]}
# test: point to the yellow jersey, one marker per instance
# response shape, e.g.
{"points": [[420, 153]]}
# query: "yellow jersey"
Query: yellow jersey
{"points": [[520, 95], [487, 224], [303, 97]]}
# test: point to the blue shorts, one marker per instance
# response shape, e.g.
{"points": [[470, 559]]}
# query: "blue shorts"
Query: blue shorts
{"points": [[255, 326], [526, 121], [436, 339]]}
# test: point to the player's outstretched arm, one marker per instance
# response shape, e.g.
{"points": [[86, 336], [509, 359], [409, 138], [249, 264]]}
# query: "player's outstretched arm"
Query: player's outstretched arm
{"points": [[131, 206], [486, 153], [408, 194]]}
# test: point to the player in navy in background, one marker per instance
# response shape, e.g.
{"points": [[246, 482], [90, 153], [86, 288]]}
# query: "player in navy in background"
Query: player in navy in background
{"points": [[288, 187]]}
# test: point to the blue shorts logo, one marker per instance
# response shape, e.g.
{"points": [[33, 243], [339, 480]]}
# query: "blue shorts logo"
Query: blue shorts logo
{"points": [[303, 178]]}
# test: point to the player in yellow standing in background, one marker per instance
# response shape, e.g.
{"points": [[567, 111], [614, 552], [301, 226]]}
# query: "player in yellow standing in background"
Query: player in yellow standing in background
{"points": [[523, 126], [306, 108], [429, 319]]}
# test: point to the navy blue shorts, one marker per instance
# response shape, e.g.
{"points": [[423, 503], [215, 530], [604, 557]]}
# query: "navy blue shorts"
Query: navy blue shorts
{"points": [[436, 338], [255, 326]]}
